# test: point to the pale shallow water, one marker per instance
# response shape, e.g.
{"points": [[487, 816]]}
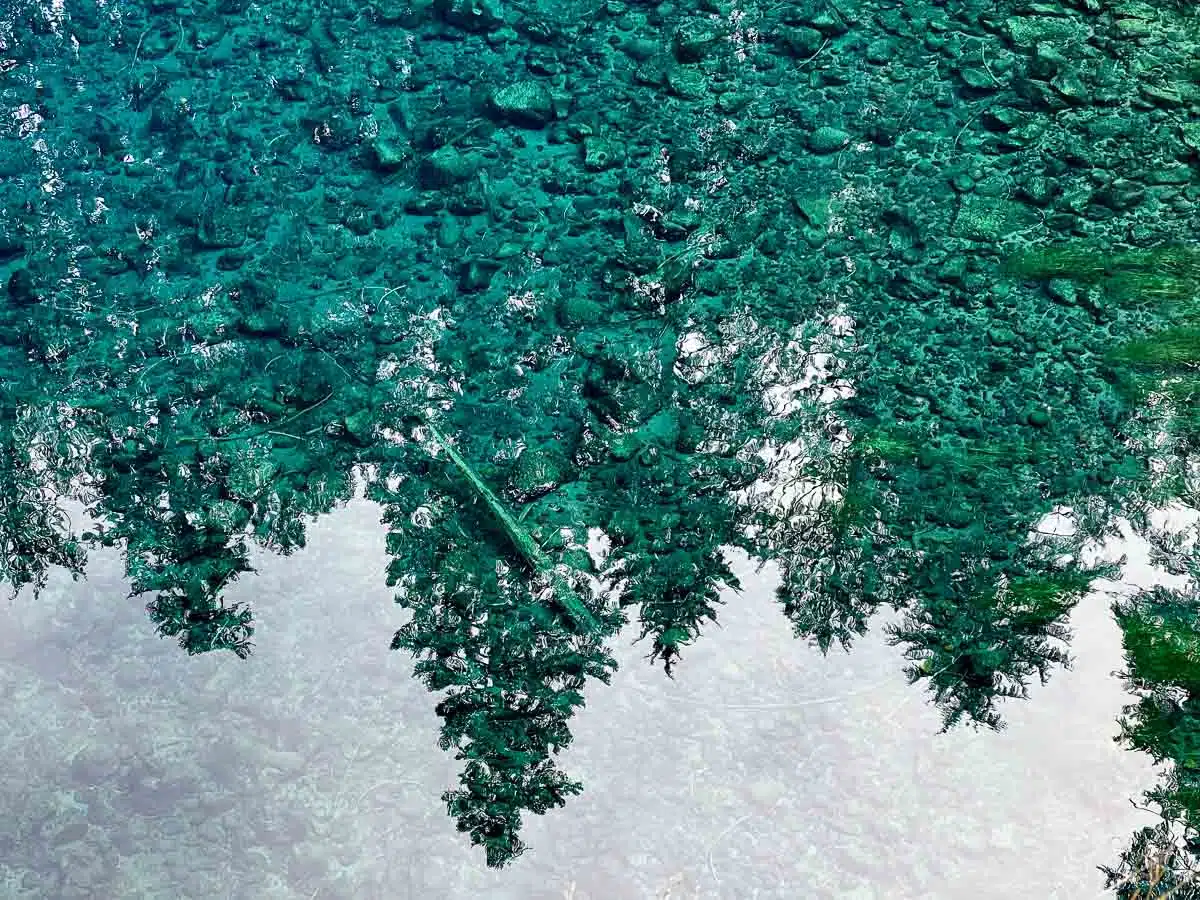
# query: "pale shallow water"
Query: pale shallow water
{"points": [[311, 770]]}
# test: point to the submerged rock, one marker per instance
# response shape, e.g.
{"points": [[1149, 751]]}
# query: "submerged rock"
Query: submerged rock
{"points": [[526, 104]]}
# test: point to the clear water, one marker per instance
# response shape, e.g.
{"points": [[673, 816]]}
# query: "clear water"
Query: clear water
{"points": [[584, 305]]}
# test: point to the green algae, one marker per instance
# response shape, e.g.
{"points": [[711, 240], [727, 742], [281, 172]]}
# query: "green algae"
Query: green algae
{"points": [[1171, 348]]}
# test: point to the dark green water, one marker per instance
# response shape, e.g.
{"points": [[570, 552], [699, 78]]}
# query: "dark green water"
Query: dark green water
{"points": [[863, 289]]}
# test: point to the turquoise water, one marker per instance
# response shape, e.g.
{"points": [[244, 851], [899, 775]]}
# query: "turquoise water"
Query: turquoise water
{"points": [[586, 295]]}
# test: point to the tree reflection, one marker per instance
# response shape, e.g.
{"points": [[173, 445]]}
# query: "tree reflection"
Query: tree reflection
{"points": [[207, 363], [189, 447]]}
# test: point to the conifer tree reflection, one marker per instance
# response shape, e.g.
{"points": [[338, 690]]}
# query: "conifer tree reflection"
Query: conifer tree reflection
{"points": [[204, 438], [489, 634], [35, 534], [1161, 635]]}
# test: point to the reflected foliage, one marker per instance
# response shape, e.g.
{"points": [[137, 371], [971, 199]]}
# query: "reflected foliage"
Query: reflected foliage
{"points": [[1160, 626], [1161, 636], [194, 456], [571, 391]]}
